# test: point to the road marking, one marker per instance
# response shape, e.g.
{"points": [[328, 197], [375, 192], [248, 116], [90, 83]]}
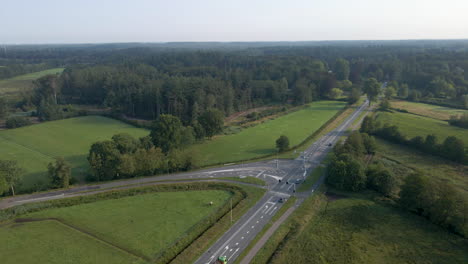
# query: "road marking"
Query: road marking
{"points": [[242, 237], [242, 227], [248, 232], [272, 211], [253, 226], [259, 174]]}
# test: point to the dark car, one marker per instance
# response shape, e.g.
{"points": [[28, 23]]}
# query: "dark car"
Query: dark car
{"points": [[329, 144]]}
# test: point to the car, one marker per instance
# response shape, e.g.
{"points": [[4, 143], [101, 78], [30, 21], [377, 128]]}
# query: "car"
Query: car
{"points": [[298, 181], [329, 144], [280, 200]]}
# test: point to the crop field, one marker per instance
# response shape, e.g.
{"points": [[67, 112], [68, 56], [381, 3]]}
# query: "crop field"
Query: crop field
{"points": [[433, 111], [260, 140], [403, 160], [413, 125], [108, 231], [355, 229], [9, 87], [37, 145]]}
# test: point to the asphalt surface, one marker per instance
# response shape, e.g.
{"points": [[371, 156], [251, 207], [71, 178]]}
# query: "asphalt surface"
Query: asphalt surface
{"points": [[239, 236], [282, 178]]}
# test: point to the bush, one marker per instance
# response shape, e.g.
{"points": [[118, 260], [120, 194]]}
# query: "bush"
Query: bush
{"points": [[17, 121]]}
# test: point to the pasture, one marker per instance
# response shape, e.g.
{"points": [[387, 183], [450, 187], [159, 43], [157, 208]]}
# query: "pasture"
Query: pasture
{"points": [[352, 228], [37, 145], [114, 230], [433, 111], [413, 125], [12, 86], [402, 160], [260, 139]]}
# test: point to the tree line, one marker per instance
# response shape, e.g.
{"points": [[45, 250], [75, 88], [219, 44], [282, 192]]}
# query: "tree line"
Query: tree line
{"points": [[451, 148], [437, 201]]}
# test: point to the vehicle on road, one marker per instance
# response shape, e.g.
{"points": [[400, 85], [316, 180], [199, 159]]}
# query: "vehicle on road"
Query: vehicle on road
{"points": [[222, 260], [329, 144]]}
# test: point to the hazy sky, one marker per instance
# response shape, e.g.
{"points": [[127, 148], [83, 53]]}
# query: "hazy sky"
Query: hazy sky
{"points": [[84, 21]]}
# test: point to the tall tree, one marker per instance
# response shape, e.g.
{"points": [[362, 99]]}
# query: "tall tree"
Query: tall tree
{"points": [[372, 89], [282, 143], [59, 173], [10, 174], [167, 132], [342, 69], [212, 121]]}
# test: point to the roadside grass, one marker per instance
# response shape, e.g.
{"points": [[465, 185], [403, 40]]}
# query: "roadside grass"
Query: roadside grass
{"points": [[413, 125], [145, 223], [247, 179], [312, 178], [52, 242], [402, 160], [432, 111], [355, 228], [36, 145], [202, 243], [12, 86], [260, 140]]}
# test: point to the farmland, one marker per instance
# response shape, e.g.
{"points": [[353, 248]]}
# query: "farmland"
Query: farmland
{"points": [[353, 228], [122, 229], [12, 86], [35, 146], [260, 140], [413, 125], [433, 111]]}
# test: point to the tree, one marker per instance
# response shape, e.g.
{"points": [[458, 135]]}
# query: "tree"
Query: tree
{"points": [[335, 93], [412, 193], [381, 180], [385, 105], [354, 95], [3, 108], [369, 143], [59, 173], [282, 143], [104, 160], [212, 121], [167, 132], [125, 143], [342, 69], [403, 91], [10, 175], [372, 89], [389, 92], [453, 148], [17, 121]]}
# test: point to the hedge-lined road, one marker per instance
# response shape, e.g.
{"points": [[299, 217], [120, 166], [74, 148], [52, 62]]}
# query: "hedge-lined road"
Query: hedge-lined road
{"points": [[280, 177]]}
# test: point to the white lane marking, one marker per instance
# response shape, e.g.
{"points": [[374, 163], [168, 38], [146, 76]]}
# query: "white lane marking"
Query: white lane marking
{"points": [[237, 244], [261, 216], [242, 227], [268, 210], [272, 210], [227, 247], [230, 257], [253, 226], [257, 221], [242, 237], [40, 198], [248, 232], [259, 174]]}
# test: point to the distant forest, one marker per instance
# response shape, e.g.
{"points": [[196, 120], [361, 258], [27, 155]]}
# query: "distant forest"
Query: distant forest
{"points": [[187, 79]]}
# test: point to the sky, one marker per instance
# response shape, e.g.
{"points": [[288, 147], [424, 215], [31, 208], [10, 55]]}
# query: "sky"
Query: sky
{"points": [[102, 21]]}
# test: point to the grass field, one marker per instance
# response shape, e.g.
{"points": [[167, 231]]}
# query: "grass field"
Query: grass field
{"points": [[433, 111], [404, 160], [260, 140], [35, 146], [52, 242], [11, 87], [355, 229], [159, 220], [413, 125]]}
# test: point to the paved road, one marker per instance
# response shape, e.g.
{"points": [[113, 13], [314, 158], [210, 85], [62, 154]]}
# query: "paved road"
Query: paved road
{"points": [[280, 175], [238, 237]]}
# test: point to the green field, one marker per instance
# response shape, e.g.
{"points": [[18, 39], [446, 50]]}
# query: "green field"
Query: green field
{"points": [[403, 160], [260, 140], [11, 87], [413, 125], [159, 220], [35, 146], [433, 111], [358, 230]]}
